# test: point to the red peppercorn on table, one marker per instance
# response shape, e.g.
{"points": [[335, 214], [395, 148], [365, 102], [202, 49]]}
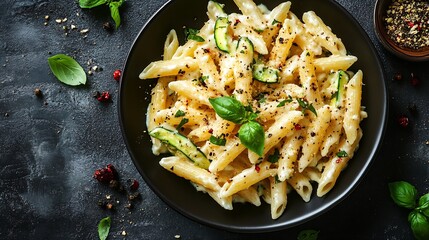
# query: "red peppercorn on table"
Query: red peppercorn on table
{"points": [[64, 165]]}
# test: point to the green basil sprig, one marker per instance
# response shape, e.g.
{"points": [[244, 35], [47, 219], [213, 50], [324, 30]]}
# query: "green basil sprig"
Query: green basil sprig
{"points": [[251, 133], [405, 195], [113, 5], [104, 228], [67, 70]]}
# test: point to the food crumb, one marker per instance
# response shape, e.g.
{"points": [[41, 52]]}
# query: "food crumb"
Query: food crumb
{"points": [[177, 236], [123, 233]]}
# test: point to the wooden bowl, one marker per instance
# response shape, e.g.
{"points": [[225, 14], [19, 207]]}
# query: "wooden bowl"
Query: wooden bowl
{"points": [[380, 9]]}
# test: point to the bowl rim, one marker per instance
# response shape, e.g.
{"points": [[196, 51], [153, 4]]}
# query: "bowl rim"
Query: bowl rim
{"points": [[388, 44], [275, 226]]}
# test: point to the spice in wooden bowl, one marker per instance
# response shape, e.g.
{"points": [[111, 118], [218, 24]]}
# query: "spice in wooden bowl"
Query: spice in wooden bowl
{"points": [[402, 26]]}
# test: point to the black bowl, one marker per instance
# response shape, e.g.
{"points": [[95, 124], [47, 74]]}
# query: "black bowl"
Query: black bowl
{"points": [[178, 193]]}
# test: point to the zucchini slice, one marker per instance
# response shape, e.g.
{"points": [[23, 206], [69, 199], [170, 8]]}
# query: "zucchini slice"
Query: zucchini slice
{"points": [[342, 79], [221, 33], [265, 74], [177, 143]]}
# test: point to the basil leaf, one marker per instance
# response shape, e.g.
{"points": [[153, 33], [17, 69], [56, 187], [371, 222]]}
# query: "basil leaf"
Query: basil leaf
{"points": [[220, 141], [179, 113], [229, 109], [182, 122], [308, 234], [67, 70], [91, 3], [403, 194], [104, 228], [419, 224], [252, 136], [274, 157], [424, 205], [342, 153], [114, 12]]}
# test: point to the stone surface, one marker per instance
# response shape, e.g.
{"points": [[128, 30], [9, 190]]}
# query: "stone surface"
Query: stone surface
{"points": [[51, 145]]}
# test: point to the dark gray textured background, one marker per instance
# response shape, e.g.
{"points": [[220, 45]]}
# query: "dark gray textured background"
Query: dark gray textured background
{"points": [[50, 146]]}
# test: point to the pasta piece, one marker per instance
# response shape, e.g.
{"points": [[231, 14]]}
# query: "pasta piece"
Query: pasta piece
{"points": [[314, 138], [192, 91], [282, 44], [226, 203], [289, 155], [214, 10], [334, 63], [243, 71], [249, 195], [249, 8], [166, 68], [171, 44], [241, 27], [336, 164], [247, 178], [274, 18], [353, 107], [278, 197], [302, 185], [323, 33], [308, 79], [186, 169], [280, 129], [226, 154]]}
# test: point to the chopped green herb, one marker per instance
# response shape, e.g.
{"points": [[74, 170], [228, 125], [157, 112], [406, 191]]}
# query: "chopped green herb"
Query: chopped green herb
{"points": [[182, 122], [192, 34], [283, 102], [306, 106], [275, 22], [179, 113], [203, 79], [276, 178], [342, 153], [274, 157], [220, 140]]}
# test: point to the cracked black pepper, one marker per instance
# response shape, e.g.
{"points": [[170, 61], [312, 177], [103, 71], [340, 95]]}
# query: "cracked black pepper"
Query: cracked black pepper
{"points": [[407, 23]]}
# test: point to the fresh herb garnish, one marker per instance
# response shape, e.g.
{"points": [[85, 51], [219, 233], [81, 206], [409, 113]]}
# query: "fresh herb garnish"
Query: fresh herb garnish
{"points": [[251, 133], [275, 22], [192, 34], [261, 98], [179, 113], [252, 136], [182, 122], [113, 6], [405, 195], [283, 102], [308, 234], [342, 153], [203, 79], [104, 228], [220, 140], [274, 157], [306, 106], [67, 70], [277, 179]]}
